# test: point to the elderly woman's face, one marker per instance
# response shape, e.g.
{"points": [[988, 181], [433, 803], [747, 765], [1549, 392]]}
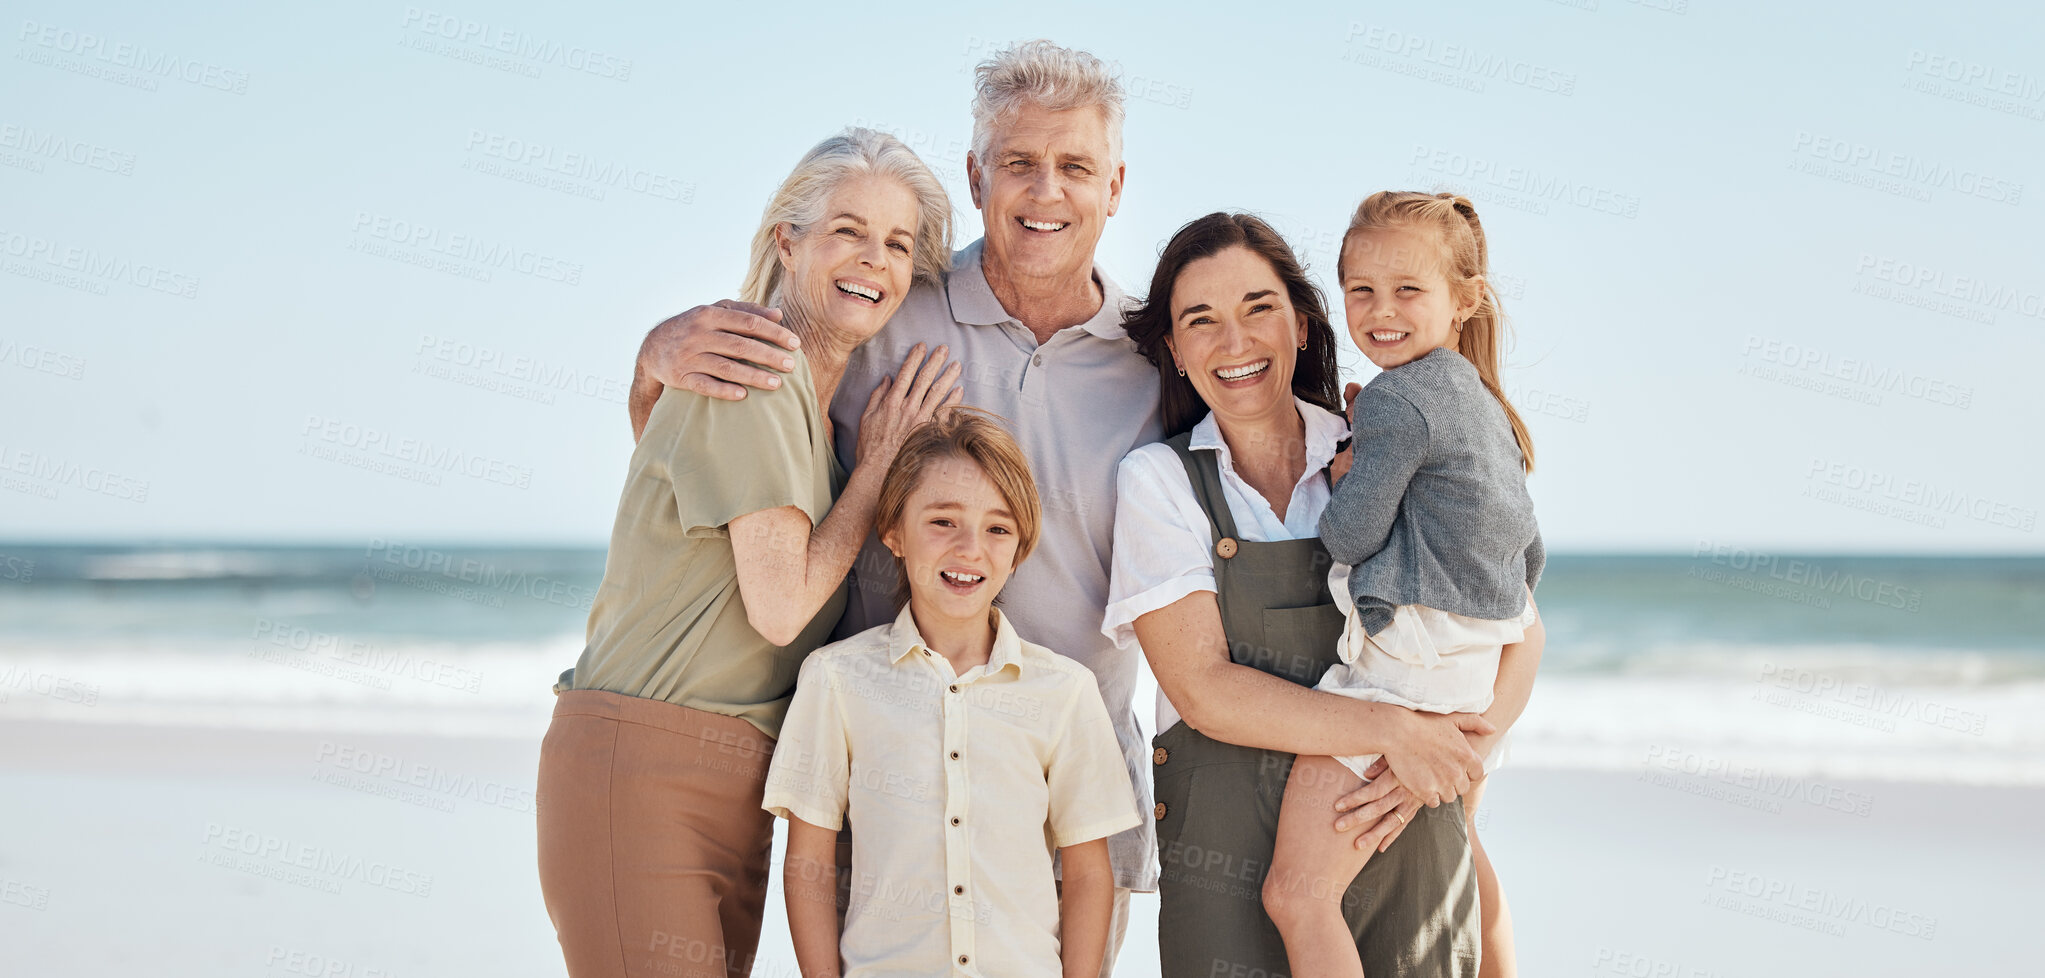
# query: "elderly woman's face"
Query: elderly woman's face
{"points": [[1045, 191], [851, 271], [1236, 334]]}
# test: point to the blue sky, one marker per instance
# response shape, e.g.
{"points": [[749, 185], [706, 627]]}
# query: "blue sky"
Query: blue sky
{"points": [[379, 270]]}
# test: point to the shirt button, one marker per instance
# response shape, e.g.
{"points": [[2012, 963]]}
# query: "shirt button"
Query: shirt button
{"points": [[1159, 811], [1159, 756], [955, 687], [954, 755], [958, 891], [955, 820], [962, 959], [1039, 360], [1225, 547]]}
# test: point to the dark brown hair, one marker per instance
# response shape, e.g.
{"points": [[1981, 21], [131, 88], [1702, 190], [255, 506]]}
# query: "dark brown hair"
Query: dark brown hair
{"points": [[1316, 378]]}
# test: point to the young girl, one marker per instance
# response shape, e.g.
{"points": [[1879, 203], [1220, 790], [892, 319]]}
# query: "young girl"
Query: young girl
{"points": [[962, 754], [1433, 530]]}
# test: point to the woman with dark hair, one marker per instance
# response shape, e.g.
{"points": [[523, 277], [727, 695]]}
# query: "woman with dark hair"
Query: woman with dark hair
{"points": [[1220, 577]]}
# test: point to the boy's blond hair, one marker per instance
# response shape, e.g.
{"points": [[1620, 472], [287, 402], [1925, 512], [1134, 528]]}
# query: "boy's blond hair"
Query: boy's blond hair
{"points": [[976, 436]]}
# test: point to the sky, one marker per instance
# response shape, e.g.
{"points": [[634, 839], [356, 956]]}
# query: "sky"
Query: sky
{"points": [[378, 271]]}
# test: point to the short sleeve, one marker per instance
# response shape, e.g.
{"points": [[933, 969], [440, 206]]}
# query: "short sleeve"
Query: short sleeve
{"points": [[731, 458], [1162, 541], [811, 773], [1091, 797]]}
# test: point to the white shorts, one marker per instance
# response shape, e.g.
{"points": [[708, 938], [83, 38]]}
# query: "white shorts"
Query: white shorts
{"points": [[1426, 659]]}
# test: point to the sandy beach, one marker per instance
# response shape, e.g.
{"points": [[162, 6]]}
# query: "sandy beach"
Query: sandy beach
{"points": [[187, 851]]}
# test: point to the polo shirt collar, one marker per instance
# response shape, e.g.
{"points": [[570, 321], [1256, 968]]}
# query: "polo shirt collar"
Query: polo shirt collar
{"points": [[973, 302], [1324, 430], [905, 639]]}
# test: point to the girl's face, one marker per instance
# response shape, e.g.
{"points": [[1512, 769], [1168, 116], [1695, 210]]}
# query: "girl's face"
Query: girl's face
{"points": [[853, 269], [957, 541], [1236, 334], [1396, 294]]}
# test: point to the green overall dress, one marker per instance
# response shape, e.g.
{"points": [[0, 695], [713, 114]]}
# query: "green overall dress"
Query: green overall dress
{"points": [[1413, 908]]}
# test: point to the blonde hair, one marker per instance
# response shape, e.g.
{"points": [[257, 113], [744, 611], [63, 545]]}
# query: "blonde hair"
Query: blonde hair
{"points": [[1465, 258], [800, 201], [976, 436], [1045, 75]]}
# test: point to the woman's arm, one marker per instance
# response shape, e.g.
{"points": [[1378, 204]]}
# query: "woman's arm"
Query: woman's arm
{"points": [[1236, 704], [786, 569], [809, 878], [1086, 906], [1510, 692]]}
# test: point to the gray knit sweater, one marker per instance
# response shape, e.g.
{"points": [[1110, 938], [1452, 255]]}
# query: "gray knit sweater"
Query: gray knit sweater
{"points": [[1435, 509]]}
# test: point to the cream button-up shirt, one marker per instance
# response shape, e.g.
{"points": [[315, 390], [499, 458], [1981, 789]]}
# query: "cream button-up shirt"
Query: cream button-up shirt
{"points": [[1076, 403], [959, 788]]}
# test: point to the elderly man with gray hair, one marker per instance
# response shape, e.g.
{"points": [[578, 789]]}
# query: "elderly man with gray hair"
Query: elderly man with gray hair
{"points": [[1038, 328]]}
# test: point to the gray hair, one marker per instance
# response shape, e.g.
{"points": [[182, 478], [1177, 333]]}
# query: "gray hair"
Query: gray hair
{"points": [[1045, 75], [800, 201]]}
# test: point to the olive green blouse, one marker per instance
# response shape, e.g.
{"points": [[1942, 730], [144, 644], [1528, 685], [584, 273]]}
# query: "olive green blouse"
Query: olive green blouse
{"points": [[668, 622]]}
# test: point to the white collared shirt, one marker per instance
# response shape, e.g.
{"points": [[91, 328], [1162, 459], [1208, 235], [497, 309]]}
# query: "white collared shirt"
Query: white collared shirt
{"points": [[959, 787], [1164, 544]]}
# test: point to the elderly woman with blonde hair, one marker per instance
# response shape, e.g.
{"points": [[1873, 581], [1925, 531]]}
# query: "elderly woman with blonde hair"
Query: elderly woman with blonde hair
{"points": [[727, 566]]}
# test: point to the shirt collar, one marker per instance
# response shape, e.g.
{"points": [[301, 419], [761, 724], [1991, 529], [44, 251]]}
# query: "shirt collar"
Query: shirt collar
{"points": [[905, 639], [973, 302], [1324, 430]]}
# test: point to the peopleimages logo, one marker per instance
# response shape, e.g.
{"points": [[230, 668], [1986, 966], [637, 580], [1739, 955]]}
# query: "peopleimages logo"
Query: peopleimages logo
{"points": [[134, 57], [1524, 180], [517, 44], [78, 152], [93, 264], [420, 566], [332, 435], [580, 166], [473, 249]]}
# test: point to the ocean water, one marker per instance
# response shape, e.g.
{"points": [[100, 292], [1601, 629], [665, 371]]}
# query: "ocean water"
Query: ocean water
{"points": [[1722, 666]]}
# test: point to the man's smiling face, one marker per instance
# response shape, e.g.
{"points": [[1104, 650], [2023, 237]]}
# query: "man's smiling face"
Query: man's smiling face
{"points": [[1045, 191]]}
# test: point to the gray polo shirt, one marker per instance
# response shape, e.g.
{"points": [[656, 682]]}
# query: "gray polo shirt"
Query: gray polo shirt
{"points": [[1076, 404]]}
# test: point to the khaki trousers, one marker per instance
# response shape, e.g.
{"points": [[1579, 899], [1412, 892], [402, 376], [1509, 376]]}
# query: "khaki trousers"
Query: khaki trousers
{"points": [[653, 847]]}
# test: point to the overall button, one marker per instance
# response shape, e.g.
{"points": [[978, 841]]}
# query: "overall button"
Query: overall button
{"points": [[1159, 756], [1159, 811], [1225, 547]]}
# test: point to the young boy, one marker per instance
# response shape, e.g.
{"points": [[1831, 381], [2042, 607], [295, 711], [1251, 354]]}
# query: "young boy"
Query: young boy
{"points": [[961, 754]]}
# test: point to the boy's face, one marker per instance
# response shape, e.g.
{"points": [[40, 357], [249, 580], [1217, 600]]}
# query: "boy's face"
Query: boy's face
{"points": [[957, 541]]}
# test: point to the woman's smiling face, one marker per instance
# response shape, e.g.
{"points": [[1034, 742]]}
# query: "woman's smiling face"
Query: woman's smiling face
{"points": [[1396, 294], [1236, 334], [853, 269]]}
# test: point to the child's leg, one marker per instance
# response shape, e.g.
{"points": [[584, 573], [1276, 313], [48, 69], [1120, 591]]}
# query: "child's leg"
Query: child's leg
{"points": [[1495, 919], [1311, 868]]}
